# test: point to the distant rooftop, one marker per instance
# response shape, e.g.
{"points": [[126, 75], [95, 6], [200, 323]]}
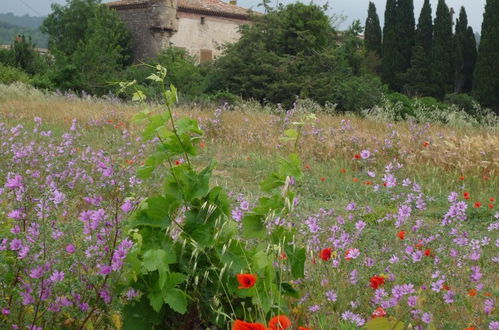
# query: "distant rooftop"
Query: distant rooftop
{"points": [[202, 7]]}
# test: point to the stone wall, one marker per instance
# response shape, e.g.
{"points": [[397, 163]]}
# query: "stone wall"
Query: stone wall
{"points": [[200, 34], [151, 24], [157, 24]]}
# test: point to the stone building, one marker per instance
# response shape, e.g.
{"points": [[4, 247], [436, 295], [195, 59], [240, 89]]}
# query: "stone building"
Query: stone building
{"points": [[198, 26]]}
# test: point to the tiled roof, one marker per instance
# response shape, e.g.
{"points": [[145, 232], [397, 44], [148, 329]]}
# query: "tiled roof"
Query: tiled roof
{"points": [[203, 7]]}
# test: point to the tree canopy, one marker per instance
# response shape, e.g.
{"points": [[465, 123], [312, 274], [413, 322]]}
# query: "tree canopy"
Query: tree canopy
{"points": [[89, 43]]}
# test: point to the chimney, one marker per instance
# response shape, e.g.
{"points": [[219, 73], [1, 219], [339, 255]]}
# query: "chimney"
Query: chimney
{"points": [[233, 2]]}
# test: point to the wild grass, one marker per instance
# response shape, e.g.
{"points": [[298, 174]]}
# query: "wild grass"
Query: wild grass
{"points": [[243, 129]]}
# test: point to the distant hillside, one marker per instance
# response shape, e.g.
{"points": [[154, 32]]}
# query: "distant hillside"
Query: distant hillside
{"points": [[11, 26], [27, 21]]}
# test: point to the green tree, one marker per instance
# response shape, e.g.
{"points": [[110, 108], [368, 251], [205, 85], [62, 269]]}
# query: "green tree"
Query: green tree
{"points": [[372, 34], [352, 47], [486, 78], [443, 50], [405, 32], [286, 53], [418, 77], [424, 32], [465, 54], [89, 43], [391, 55]]}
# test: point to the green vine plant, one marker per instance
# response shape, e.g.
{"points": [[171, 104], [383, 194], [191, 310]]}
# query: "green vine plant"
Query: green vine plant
{"points": [[188, 251]]}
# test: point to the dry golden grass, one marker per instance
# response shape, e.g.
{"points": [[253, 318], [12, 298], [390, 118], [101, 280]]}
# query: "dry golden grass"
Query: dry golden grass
{"points": [[464, 150]]}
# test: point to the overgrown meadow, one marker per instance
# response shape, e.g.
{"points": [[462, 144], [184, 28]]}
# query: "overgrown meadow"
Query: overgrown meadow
{"points": [[115, 216]]}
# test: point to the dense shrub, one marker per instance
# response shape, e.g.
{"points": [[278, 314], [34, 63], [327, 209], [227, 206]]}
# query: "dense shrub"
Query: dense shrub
{"points": [[462, 101], [9, 74], [287, 53], [357, 93], [6, 57], [182, 72]]}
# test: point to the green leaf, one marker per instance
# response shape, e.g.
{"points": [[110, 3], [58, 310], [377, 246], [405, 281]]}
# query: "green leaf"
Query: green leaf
{"points": [[253, 226], [140, 315], [296, 257], [138, 96], [154, 213], [158, 259], [155, 299], [383, 323], [290, 135], [261, 260], [288, 290], [272, 181], [154, 77], [175, 279], [176, 299], [140, 116], [151, 128], [291, 166]]}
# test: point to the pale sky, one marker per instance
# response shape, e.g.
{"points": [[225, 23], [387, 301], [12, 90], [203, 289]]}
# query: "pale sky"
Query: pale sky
{"points": [[352, 9]]}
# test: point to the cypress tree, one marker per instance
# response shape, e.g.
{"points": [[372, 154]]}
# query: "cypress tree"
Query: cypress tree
{"points": [[465, 54], [418, 77], [443, 50], [486, 78], [390, 52], [405, 32], [424, 32], [372, 33]]}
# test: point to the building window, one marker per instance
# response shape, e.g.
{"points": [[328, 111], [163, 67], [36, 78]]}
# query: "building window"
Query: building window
{"points": [[202, 20], [205, 55]]}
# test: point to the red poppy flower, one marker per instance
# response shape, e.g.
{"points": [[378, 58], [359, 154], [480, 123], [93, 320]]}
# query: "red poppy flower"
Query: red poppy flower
{"points": [[323, 179], [355, 180], [368, 183], [279, 322], [325, 254], [201, 145], [246, 281], [241, 325], [466, 195], [283, 256], [307, 166], [419, 246], [347, 252], [426, 143], [446, 287], [304, 328], [379, 312], [376, 281], [384, 184], [461, 177], [401, 234], [469, 328], [492, 199], [356, 156], [477, 205], [178, 162], [472, 292], [343, 171], [491, 206], [427, 252]]}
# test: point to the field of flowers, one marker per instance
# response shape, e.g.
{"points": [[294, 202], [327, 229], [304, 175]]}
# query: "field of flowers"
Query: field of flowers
{"points": [[304, 222]]}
